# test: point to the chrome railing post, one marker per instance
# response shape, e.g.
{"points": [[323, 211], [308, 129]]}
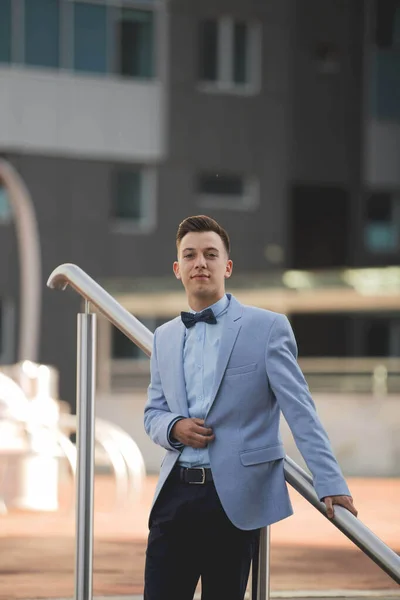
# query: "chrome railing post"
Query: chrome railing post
{"points": [[85, 391], [263, 579]]}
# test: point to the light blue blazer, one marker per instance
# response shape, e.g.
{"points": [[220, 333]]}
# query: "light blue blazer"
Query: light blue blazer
{"points": [[256, 377]]}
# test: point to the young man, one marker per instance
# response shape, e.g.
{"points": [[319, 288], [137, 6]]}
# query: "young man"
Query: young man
{"points": [[220, 376]]}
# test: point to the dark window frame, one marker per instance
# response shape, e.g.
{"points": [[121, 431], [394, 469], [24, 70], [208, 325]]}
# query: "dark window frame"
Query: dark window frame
{"points": [[392, 196]]}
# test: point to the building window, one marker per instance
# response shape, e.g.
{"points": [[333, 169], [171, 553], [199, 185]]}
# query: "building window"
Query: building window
{"points": [[135, 34], [227, 191], [42, 33], [5, 31], [208, 50], [134, 198], [382, 228], [5, 209], [123, 349], [387, 24], [90, 37], [240, 59], [229, 55], [385, 61]]}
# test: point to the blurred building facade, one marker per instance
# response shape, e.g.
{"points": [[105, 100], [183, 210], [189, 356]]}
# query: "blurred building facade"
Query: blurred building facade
{"points": [[281, 119]]}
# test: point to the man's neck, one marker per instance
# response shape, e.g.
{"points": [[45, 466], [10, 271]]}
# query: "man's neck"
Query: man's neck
{"points": [[199, 304]]}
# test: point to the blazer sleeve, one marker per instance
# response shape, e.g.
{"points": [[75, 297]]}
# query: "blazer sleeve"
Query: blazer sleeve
{"points": [[158, 419], [292, 394]]}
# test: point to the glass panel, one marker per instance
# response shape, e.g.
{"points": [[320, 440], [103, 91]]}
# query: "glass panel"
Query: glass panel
{"points": [[5, 30], [385, 62], [379, 207], [90, 37], [136, 43], [381, 237], [385, 84], [378, 337], [387, 23], [42, 33], [123, 348], [240, 41], [221, 185], [382, 227], [5, 210], [208, 67], [128, 199], [396, 28]]}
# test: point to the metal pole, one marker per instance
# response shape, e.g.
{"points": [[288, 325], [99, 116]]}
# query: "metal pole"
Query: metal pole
{"points": [[30, 265], [85, 464], [263, 582]]}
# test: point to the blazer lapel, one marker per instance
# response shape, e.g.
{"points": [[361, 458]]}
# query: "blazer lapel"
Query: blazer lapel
{"points": [[176, 365], [230, 332]]}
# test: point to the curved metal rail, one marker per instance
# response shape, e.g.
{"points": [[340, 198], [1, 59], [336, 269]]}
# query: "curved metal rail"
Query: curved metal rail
{"points": [[69, 274], [123, 454], [353, 528]]}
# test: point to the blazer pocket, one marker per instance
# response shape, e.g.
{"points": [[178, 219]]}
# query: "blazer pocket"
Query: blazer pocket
{"points": [[261, 455], [241, 370]]}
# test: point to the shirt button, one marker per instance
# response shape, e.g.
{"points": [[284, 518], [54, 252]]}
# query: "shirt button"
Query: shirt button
{"points": [[199, 366], [198, 338]]}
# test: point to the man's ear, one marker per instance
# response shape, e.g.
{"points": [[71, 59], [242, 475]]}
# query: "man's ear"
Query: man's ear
{"points": [[175, 267], [228, 271]]}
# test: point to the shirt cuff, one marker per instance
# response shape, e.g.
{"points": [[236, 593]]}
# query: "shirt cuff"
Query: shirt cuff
{"points": [[174, 443]]}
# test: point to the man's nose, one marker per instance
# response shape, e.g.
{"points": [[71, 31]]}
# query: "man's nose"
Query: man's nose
{"points": [[200, 261]]}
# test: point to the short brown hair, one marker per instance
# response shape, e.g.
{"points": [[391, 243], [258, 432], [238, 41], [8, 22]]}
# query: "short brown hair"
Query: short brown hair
{"points": [[201, 223]]}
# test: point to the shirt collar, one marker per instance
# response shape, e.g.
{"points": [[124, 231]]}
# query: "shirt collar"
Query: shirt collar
{"points": [[219, 307]]}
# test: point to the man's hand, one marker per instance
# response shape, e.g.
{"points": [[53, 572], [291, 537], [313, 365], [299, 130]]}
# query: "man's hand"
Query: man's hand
{"points": [[346, 501], [192, 432]]}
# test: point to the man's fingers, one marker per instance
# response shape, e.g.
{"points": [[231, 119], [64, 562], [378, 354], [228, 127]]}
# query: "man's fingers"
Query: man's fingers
{"points": [[348, 503], [202, 430], [192, 432], [329, 507], [345, 501], [197, 426], [200, 441]]}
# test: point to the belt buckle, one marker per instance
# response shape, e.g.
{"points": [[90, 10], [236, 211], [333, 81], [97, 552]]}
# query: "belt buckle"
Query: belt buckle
{"points": [[203, 479]]}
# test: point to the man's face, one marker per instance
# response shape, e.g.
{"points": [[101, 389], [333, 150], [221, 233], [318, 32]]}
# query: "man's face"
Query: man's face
{"points": [[202, 266]]}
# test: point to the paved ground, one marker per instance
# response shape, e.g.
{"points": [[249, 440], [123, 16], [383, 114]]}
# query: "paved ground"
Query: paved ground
{"points": [[308, 553]]}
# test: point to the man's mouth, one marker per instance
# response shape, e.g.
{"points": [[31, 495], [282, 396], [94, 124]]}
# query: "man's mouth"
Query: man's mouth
{"points": [[200, 277]]}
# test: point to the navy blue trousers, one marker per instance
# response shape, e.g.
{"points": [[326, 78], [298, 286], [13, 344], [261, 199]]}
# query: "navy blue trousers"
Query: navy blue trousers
{"points": [[191, 538]]}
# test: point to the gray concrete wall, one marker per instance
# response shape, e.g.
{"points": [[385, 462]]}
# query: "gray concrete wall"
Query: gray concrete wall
{"points": [[217, 131], [363, 431], [327, 106]]}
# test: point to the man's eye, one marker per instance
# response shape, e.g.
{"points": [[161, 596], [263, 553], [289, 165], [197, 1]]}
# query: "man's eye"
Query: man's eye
{"points": [[188, 256], [212, 255]]}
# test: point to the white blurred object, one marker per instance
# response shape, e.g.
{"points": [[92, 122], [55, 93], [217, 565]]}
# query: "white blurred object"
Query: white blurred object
{"points": [[34, 438], [39, 469], [13, 402], [28, 439]]}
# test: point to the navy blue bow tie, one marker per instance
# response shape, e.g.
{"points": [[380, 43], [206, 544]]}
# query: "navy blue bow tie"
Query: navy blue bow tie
{"points": [[190, 319]]}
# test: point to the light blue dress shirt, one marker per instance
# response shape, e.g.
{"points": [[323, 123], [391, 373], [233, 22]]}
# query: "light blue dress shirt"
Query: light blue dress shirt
{"points": [[200, 352]]}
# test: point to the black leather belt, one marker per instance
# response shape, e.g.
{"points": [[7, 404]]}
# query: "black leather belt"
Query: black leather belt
{"points": [[194, 475]]}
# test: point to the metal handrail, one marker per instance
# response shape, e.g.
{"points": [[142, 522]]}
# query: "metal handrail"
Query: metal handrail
{"points": [[90, 290], [353, 528], [347, 523]]}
